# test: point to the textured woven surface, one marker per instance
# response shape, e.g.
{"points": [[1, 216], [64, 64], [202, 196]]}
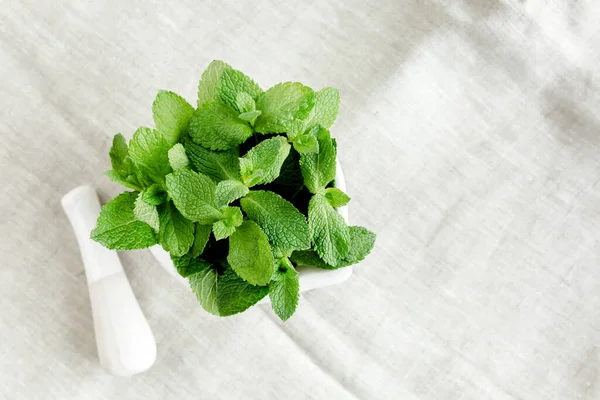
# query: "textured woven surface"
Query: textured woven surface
{"points": [[471, 144]]}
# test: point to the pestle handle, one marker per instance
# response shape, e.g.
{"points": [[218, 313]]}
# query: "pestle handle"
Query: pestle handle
{"points": [[125, 342]]}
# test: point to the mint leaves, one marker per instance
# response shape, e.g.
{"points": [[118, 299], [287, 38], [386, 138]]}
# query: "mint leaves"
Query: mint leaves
{"points": [[216, 126], [201, 237], [235, 295], [318, 169], [244, 102], [336, 197], [284, 289], [123, 169], [149, 151], [361, 243], [231, 218], [234, 86], [325, 110], [177, 157], [328, 230], [281, 105], [145, 212], [239, 190], [204, 285], [228, 191], [263, 162], [118, 154], [155, 194], [250, 255], [209, 84], [247, 107], [218, 165], [283, 224], [171, 114], [176, 233], [194, 195], [118, 229]]}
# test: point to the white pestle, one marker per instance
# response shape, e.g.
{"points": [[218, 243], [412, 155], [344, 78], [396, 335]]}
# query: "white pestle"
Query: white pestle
{"points": [[125, 342]]}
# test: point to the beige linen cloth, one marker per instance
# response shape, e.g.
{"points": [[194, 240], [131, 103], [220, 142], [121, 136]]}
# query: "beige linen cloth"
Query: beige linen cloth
{"points": [[470, 138]]}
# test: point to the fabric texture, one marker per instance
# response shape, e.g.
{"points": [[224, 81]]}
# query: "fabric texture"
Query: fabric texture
{"points": [[470, 140]]}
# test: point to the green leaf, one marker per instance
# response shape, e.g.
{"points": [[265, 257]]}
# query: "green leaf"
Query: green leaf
{"points": [[235, 295], [123, 169], [221, 230], [149, 151], [118, 154], [263, 162], [176, 234], [228, 191], [250, 116], [234, 82], [325, 110], [129, 181], [319, 169], [218, 165], [186, 265], [328, 231], [361, 243], [295, 129], [207, 88], [204, 285], [117, 228], [336, 197], [154, 195], [145, 212], [244, 102], [232, 218], [171, 114], [250, 255], [284, 290], [177, 157], [250, 176], [290, 181], [283, 224], [216, 126], [281, 105], [279, 253], [306, 144], [310, 258], [201, 236], [193, 194]]}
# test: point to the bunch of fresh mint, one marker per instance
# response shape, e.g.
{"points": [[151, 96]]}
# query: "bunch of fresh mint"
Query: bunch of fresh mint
{"points": [[240, 190]]}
